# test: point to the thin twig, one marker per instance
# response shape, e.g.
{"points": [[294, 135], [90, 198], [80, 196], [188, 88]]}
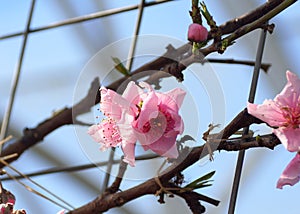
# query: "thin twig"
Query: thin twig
{"points": [[117, 182], [37, 192], [35, 183], [264, 66], [76, 168]]}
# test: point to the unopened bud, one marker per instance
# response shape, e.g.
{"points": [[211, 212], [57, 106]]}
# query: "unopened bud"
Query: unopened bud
{"points": [[197, 33]]}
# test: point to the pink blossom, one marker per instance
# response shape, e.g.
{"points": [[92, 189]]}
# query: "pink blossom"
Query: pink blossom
{"points": [[159, 123], [140, 114], [283, 113], [6, 208], [291, 174], [120, 111], [197, 33]]}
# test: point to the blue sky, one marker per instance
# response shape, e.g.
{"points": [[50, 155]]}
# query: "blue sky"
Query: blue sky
{"points": [[59, 64]]}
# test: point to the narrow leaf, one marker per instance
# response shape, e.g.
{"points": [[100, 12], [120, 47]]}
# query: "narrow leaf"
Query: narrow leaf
{"points": [[200, 180], [120, 67]]}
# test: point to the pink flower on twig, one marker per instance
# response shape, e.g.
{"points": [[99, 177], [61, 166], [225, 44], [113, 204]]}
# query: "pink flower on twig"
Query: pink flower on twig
{"points": [[283, 114], [140, 114]]}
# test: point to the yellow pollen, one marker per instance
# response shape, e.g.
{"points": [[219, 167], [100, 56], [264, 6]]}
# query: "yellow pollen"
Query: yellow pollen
{"points": [[140, 104]]}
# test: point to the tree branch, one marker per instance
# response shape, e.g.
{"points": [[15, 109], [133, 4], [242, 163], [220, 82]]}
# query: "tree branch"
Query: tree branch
{"points": [[63, 117], [106, 202], [172, 55], [168, 63]]}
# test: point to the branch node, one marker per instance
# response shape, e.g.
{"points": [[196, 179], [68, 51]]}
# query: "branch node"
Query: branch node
{"points": [[31, 136]]}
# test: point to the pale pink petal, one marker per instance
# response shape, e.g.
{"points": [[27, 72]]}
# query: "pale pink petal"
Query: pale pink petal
{"points": [[107, 106], [289, 96], [268, 112], [172, 152], [94, 132], [173, 98], [293, 79], [106, 133], [179, 125], [291, 174], [126, 130], [289, 137], [165, 146], [128, 150], [149, 110], [128, 138], [132, 93], [61, 212], [113, 104]]}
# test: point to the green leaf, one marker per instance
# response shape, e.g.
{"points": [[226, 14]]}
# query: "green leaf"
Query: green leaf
{"points": [[120, 67], [201, 182], [205, 185]]}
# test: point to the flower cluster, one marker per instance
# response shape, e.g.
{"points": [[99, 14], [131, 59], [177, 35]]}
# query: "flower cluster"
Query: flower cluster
{"points": [[140, 114], [283, 114]]}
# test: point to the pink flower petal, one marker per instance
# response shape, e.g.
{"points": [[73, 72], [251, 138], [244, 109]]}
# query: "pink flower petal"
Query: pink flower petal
{"points": [[149, 110], [289, 96], [93, 131], [177, 95], [173, 99], [107, 134], [179, 125], [151, 133], [289, 137], [132, 93], [268, 112], [107, 105], [113, 104], [291, 174], [128, 150], [165, 146]]}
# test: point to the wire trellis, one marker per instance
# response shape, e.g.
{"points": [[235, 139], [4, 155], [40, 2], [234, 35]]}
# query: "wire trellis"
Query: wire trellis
{"points": [[140, 8], [28, 30]]}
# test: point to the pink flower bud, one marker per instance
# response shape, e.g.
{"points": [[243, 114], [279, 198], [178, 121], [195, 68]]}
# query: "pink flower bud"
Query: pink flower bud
{"points": [[197, 33]]}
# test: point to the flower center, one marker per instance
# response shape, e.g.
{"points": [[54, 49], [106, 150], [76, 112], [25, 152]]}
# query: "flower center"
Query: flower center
{"points": [[110, 133], [164, 121], [292, 116]]}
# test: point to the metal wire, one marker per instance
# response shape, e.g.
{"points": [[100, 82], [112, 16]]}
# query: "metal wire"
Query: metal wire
{"points": [[129, 65], [77, 168], [75, 20], [135, 35], [241, 155], [15, 81], [84, 18]]}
